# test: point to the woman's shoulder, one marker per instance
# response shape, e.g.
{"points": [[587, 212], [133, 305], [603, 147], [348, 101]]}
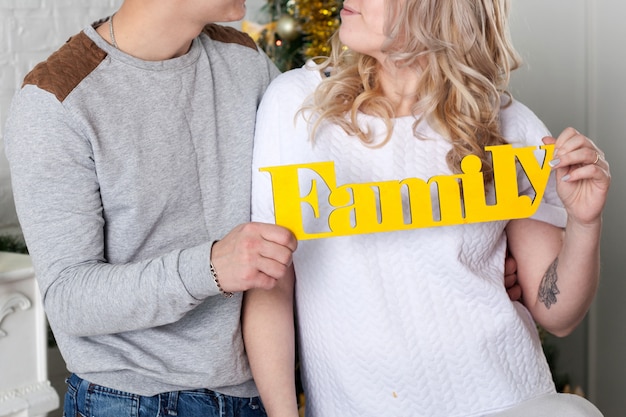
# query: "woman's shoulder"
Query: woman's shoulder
{"points": [[520, 125], [291, 88], [304, 77]]}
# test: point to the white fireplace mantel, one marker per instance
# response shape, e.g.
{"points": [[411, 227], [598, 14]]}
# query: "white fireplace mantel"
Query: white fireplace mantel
{"points": [[24, 386]]}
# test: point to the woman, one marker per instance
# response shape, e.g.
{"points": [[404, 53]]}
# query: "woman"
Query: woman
{"points": [[416, 322]]}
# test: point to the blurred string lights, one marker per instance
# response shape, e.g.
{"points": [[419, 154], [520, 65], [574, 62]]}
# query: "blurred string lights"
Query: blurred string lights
{"points": [[292, 31]]}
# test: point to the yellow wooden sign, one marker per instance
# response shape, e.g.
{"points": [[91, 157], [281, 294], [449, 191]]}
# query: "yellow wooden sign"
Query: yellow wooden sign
{"points": [[378, 206]]}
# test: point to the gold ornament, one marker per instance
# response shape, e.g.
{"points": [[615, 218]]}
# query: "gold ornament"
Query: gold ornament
{"points": [[287, 27]]}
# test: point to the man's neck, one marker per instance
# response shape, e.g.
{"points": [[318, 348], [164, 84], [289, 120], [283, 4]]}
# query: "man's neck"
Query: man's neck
{"points": [[149, 33]]}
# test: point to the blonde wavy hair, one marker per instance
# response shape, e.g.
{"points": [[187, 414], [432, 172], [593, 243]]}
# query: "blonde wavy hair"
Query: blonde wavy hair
{"points": [[464, 53]]}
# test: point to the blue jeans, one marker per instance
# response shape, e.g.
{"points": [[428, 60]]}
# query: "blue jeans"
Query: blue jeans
{"points": [[84, 399]]}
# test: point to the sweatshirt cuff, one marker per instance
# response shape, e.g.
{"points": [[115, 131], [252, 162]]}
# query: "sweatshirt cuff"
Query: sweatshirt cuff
{"points": [[195, 272]]}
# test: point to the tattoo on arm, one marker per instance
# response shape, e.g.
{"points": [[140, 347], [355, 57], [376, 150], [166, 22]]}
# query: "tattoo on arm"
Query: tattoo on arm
{"points": [[548, 289]]}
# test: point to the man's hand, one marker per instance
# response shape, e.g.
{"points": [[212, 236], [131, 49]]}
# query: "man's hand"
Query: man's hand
{"points": [[253, 255], [510, 279]]}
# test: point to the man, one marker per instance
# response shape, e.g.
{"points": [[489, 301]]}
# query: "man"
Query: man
{"points": [[130, 155]]}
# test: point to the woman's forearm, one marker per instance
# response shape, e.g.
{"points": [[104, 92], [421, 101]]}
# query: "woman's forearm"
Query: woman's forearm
{"points": [[268, 330], [570, 283], [558, 270]]}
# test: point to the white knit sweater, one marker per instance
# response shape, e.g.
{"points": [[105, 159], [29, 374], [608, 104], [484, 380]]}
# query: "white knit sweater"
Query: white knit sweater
{"points": [[410, 323]]}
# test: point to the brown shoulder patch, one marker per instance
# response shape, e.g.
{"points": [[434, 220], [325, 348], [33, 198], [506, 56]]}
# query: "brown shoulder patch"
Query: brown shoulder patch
{"points": [[228, 34], [67, 67]]}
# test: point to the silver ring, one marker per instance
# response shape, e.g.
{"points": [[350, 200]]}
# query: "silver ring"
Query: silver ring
{"points": [[597, 158]]}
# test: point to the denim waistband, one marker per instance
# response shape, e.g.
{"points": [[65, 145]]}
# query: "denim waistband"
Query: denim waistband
{"points": [[88, 395]]}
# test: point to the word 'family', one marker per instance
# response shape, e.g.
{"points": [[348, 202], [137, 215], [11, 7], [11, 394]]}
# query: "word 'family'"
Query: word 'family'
{"points": [[378, 206]]}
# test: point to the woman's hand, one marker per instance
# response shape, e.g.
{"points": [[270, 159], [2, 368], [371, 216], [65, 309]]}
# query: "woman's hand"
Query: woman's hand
{"points": [[583, 176]]}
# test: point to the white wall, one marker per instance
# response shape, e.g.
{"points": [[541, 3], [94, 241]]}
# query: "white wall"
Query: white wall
{"points": [[575, 63], [607, 108]]}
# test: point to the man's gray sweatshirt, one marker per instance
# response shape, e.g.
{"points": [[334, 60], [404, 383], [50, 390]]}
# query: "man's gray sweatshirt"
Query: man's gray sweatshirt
{"points": [[124, 172]]}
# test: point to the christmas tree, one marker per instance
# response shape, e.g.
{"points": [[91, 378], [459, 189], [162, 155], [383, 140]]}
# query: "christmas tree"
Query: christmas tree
{"points": [[292, 31]]}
